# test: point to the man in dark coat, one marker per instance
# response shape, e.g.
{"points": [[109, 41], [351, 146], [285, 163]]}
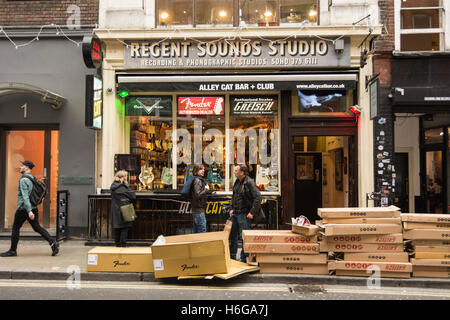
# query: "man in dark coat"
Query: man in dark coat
{"points": [[121, 194], [199, 192], [245, 205]]}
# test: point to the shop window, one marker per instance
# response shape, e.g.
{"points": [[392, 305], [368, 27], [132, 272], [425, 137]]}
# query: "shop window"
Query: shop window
{"points": [[433, 136], [421, 25], [174, 12], [150, 121], [201, 139], [253, 138], [310, 102], [259, 12], [213, 12], [302, 12]]}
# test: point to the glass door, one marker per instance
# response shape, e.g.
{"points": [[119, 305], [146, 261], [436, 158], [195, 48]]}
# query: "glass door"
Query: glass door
{"points": [[41, 147], [434, 181]]}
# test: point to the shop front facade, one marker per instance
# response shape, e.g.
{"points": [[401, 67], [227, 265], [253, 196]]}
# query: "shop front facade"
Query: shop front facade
{"points": [[276, 99]]}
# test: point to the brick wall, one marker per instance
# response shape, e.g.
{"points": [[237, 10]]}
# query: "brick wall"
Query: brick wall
{"points": [[38, 13]]}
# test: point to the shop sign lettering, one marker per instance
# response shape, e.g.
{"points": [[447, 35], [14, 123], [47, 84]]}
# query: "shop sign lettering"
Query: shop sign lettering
{"points": [[255, 53]]}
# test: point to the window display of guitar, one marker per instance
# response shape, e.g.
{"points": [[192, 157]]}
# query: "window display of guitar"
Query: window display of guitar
{"points": [[167, 172], [215, 175], [146, 176]]}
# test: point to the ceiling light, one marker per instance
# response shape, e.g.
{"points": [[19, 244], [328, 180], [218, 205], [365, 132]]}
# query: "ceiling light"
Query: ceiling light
{"points": [[222, 13], [164, 15], [268, 13]]}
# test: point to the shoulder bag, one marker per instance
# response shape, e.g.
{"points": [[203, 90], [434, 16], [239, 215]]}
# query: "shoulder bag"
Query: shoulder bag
{"points": [[128, 213]]}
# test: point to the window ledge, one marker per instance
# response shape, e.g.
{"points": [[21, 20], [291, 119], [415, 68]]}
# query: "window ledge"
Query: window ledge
{"points": [[406, 54]]}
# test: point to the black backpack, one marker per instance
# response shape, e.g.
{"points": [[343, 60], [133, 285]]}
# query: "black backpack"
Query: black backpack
{"points": [[38, 192]]}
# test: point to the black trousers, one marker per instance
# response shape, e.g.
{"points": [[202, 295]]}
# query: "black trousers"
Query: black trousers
{"points": [[120, 236], [19, 219]]}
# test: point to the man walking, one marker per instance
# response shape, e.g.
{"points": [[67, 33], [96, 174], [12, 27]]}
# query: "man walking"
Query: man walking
{"points": [[245, 205], [26, 211]]}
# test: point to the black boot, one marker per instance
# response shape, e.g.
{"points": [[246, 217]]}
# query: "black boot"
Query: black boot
{"points": [[55, 248], [9, 253]]}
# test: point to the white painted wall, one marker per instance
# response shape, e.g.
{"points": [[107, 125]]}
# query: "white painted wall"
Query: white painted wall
{"points": [[407, 136], [345, 12], [130, 14]]}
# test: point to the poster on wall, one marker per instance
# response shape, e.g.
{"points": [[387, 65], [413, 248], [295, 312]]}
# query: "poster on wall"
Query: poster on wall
{"points": [[201, 106], [254, 105], [94, 102], [305, 167], [160, 106], [312, 101]]}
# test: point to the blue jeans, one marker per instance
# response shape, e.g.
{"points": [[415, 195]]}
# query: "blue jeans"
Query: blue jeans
{"points": [[240, 222], [199, 222]]}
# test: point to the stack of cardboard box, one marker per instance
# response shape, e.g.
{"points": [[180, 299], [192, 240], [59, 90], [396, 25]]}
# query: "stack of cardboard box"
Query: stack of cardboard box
{"points": [[429, 236], [283, 251], [364, 240]]}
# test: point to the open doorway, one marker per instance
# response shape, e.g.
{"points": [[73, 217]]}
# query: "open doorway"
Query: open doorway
{"points": [[322, 173]]}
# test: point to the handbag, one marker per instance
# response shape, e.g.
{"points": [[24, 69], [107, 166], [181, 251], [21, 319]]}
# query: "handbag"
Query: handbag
{"points": [[128, 213]]}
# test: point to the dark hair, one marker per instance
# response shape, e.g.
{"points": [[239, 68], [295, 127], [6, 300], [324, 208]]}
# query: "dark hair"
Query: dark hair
{"points": [[197, 168], [243, 168]]}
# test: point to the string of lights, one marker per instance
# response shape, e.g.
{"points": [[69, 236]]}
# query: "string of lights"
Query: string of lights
{"points": [[237, 35]]}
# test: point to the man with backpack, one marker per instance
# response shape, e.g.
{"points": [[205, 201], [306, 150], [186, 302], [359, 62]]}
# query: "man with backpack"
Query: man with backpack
{"points": [[27, 211], [245, 206]]}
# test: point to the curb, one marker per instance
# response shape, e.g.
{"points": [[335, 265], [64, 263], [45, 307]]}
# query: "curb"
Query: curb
{"points": [[245, 278]]}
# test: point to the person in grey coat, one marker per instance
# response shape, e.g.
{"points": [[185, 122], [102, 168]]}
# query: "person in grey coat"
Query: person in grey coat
{"points": [[121, 194]]}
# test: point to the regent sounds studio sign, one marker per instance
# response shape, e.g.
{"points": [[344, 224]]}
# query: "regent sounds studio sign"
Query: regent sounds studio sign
{"points": [[186, 54]]}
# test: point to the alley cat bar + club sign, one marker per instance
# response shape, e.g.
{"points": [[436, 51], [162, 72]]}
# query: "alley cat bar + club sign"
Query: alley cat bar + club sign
{"points": [[235, 54]]}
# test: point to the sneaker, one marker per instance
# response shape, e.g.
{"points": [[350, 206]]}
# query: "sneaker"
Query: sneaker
{"points": [[55, 248], [9, 254]]}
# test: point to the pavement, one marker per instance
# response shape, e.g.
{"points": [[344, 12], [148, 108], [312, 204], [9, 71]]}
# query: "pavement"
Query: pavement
{"points": [[34, 262]]}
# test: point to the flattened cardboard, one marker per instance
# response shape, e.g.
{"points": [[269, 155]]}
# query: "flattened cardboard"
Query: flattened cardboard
{"points": [[425, 225], [376, 212], [386, 238], [362, 221], [430, 262], [275, 236], [237, 268], [292, 258], [431, 269], [310, 230], [431, 274], [305, 248], [355, 229], [427, 234], [426, 217], [403, 275], [364, 265], [430, 242], [112, 259], [360, 247], [382, 257], [445, 249], [293, 268], [432, 255]]}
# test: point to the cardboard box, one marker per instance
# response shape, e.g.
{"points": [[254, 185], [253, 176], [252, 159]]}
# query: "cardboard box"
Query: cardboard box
{"points": [[431, 269], [382, 257], [275, 236], [192, 254], [385, 238], [403, 275], [423, 217], [425, 225], [445, 249], [362, 221], [292, 258], [360, 247], [310, 230], [432, 255], [305, 248], [354, 229], [430, 262], [364, 265], [430, 242], [293, 268], [112, 259], [377, 212], [427, 234]]}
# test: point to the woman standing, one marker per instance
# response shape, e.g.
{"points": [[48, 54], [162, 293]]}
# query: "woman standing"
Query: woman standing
{"points": [[121, 194], [199, 191]]}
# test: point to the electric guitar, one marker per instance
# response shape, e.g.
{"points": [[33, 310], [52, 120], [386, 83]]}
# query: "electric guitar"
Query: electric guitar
{"points": [[167, 173], [146, 176], [262, 175]]}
